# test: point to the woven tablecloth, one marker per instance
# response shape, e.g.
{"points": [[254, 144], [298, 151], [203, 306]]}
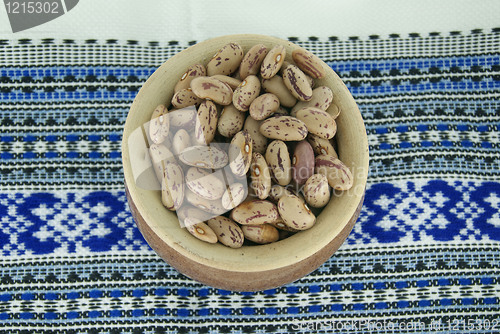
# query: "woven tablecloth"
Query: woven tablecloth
{"points": [[423, 256]]}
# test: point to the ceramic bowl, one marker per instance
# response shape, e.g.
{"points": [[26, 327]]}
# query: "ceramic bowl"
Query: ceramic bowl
{"points": [[249, 268]]}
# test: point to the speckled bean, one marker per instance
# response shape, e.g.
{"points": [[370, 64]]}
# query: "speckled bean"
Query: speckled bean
{"points": [[296, 82], [231, 121], [264, 106], [159, 126], [338, 174], [321, 145], [252, 61], [246, 92], [206, 122], [260, 234], [273, 61], [208, 88], [160, 154], [255, 212], [279, 162], [202, 156], [259, 141], [173, 178], [185, 98], [180, 141], [317, 191], [240, 153], [204, 183], [226, 61], [261, 177], [286, 128], [322, 98], [193, 71], [228, 232], [203, 232], [166, 197], [309, 78], [309, 63], [302, 162], [276, 86], [318, 122], [234, 195], [295, 212]]}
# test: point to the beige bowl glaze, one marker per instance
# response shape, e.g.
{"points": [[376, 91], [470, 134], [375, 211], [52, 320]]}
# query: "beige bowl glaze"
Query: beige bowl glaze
{"points": [[248, 268]]}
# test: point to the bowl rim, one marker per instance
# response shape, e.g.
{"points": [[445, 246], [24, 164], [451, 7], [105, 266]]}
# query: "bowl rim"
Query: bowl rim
{"points": [[250, 259]]}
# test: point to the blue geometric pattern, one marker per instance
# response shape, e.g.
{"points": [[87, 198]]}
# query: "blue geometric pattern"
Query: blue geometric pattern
{"points": [[398, 212], [429, 211], [67, 222]]}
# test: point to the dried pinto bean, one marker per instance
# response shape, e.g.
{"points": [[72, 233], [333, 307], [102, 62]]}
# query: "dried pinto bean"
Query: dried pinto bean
{"points": [[264, 106], [272, 62], [252, 60], [338, 174], [212, 89], [279, 162], [261, 177], [226, 61], [240, 153], [296, 82], [302, 162], [261, 234], [193, 71], [228, 232], [246, 92], [255, 212]]}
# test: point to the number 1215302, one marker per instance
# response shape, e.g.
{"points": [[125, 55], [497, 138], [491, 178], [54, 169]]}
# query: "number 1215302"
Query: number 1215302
{"points": [[33, 7]]}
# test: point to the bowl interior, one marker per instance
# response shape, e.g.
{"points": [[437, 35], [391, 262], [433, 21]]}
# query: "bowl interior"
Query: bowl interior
{"points": [[352, 149]]}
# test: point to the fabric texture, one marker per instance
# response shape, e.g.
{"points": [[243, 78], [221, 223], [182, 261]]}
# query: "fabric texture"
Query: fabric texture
{"points": [[423, 256]]}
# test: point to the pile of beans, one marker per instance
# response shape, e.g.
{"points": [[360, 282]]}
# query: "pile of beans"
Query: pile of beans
{"points": [[278, 130]]}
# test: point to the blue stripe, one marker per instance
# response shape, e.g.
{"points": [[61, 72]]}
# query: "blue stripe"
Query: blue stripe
{"points": [[91, 157], [173, 311], [438, 147], [97, 178], [458, 166], [340, 66], [489, 106], [385, 111], [424, 126], [95, 138], [79, 72], [81, 116], [385, 65], [40, 95], [444, 86]]}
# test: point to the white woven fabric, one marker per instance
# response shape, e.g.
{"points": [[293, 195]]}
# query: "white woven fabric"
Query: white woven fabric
{"points": [[187, 20]]}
